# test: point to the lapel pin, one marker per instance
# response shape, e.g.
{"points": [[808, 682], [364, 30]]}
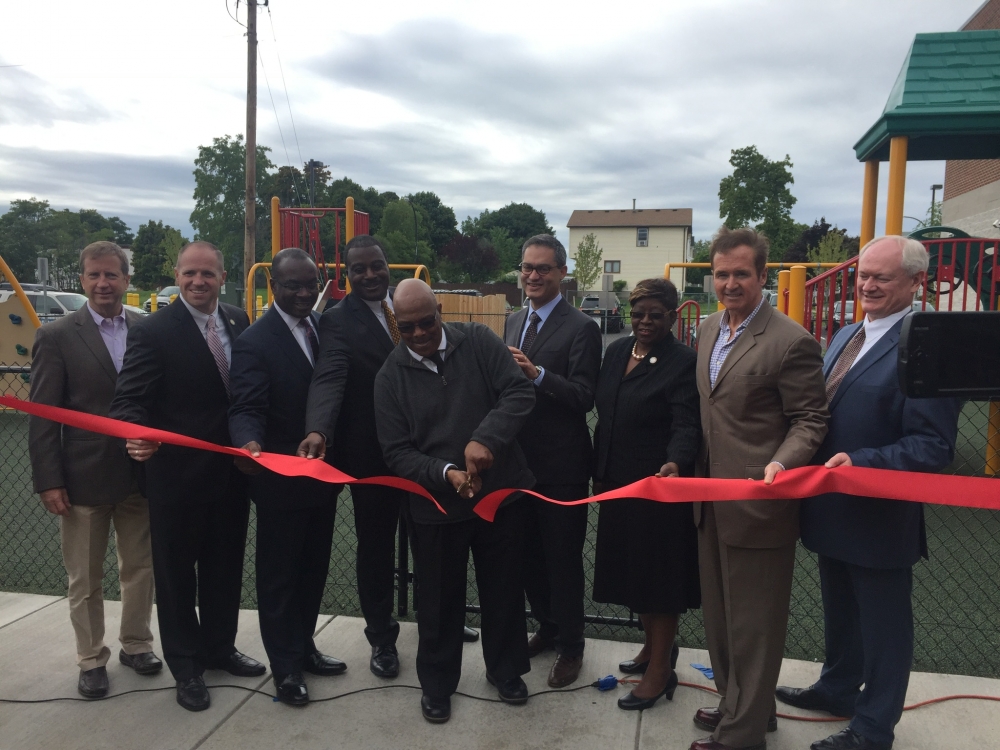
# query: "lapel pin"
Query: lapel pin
{"points": [[232, 322], [652, 360]]}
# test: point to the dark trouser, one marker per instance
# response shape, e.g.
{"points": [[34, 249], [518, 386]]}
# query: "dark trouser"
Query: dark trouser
{"points": [[198, 561], [553, 574], [376, 521], [745, 596], [441, 557], [293, 558], [869, 639]]}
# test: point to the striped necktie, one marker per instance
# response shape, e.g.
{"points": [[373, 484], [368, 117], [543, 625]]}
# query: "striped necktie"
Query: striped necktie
{"points": [[218, 351], [390, 320], [844, 362]]}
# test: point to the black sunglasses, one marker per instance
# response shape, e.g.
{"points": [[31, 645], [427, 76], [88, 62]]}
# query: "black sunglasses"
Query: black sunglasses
{"points": [[425, 324]]}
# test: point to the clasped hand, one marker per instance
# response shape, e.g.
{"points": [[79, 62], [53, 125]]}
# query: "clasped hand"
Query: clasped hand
{"points": [[468, 483]]}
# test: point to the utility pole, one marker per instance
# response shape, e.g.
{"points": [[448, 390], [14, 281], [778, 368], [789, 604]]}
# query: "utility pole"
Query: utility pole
{"points": [[250, 227]]}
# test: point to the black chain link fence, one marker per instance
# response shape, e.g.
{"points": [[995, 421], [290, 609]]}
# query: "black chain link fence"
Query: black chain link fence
{"points": [[956, 593]]}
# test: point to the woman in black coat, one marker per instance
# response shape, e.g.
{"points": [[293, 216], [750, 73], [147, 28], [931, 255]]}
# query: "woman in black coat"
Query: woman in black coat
{"points": [[648, 424]]}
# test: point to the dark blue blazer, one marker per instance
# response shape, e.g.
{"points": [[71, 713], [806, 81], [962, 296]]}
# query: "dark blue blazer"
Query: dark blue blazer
{"points": [[269, 380], [877, 427]]}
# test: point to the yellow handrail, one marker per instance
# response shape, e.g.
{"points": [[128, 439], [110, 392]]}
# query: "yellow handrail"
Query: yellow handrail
{"points": [[15, 284], [418, 270]]}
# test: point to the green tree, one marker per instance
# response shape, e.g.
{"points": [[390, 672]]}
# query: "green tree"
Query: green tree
{"points": [[154, 254], [588, 262], [25, 232], [468, 259], [508, 250], [519, 219], [757, 194], [219, 195], [123, 235], [700, 250], [440, 219], [830, 249]]}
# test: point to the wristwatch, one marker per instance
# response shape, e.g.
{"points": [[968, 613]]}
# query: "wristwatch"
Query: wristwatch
{"points": [[541, 370]]}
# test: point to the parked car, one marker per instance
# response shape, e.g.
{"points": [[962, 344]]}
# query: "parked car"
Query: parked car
{"points": [[162, 297], [848, 307], [609, 318], [54, 304]]}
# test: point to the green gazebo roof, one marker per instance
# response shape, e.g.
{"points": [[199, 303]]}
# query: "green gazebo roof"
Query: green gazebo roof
{"points": [[946, 99]]}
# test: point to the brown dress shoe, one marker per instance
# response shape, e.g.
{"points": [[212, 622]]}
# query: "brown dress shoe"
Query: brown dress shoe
{"points": [[709, 718], [537, 644], [565, 670], [709, 744]]}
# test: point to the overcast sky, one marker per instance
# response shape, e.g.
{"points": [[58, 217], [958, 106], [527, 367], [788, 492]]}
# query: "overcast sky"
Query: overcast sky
{"points": [[561, 105]]}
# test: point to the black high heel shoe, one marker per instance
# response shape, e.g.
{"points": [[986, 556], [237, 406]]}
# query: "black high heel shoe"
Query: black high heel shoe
{"points": [[631, 703], [639, 667]]}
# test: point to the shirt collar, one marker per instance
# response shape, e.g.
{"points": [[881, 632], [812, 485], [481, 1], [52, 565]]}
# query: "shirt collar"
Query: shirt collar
{"points": [[376, 307], [441, 347], [724, 322], [880, 326], [290, 320], [99, 319], [545, 310], [199, 317]]}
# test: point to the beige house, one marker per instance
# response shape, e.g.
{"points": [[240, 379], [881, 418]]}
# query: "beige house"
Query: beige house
{"points": [[636, 243]]}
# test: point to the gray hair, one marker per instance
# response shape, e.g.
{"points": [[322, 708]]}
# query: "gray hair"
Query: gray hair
{"points": [[547, 240], [915, 258]]}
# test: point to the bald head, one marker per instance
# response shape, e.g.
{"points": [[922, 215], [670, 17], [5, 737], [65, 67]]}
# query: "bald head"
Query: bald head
{"points": [[417, 316]]}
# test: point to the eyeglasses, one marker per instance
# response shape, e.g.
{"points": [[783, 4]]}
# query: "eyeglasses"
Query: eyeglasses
{"points": [[651, 315], [527, 269], [295, 287], [424, 324]]}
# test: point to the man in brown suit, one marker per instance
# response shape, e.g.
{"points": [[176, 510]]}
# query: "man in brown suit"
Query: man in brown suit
{"points": [[763, 410], [87, 479]]}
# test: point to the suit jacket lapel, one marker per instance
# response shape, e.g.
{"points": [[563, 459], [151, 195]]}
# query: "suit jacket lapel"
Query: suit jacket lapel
{"points": [[833, 353], [746, 341], [556, 318], [287, 341], [882, 347], [514, 326], [371, 321], [91, 336], [196, 339], [706, 343]]}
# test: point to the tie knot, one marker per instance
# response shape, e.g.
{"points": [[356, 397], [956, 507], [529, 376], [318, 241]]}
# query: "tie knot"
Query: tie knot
{"points": [[535, 318], [210, 323]]}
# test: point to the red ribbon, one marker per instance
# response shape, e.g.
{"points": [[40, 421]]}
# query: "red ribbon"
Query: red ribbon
{"points": [[289, 466], [794, 484]]}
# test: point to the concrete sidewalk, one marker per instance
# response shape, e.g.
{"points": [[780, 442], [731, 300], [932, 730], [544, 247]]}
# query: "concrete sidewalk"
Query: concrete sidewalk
{"points": [[37, 661]]}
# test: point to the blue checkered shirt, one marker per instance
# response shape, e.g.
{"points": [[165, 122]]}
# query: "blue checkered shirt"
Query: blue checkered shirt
{"points": [[723, 346]]}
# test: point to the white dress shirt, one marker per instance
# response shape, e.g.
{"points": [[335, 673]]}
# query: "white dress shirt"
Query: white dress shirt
{"points": [[428, 363], [376, 307], [300, 336], [876, 329], [201, 319]]}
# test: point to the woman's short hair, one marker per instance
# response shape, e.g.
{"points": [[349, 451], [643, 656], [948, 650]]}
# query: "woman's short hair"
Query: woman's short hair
{"points": [[102, 249], [727, 239], [661, 290]]}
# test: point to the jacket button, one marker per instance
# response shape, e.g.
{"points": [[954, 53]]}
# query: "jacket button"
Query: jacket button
{"points": [[711, 401]]}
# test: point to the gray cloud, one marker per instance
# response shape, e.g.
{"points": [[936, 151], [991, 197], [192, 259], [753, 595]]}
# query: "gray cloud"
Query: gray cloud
{"points": [[28, 100]]}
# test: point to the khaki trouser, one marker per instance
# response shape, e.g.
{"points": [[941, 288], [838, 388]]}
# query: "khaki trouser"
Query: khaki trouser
{"points": [[84, 544]]}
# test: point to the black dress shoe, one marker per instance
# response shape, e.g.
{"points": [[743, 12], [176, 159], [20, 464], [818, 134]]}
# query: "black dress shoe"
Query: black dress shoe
{"points": [[512, 691], [709, 718], [435, 710], [292, 689], [239, 665], [323, 665], [93, 683], [385, 661], [192, 694], [537, 645], [639, 667], [145, 663], [469, 635], [631, 703], [848, 739], [812, 700]]}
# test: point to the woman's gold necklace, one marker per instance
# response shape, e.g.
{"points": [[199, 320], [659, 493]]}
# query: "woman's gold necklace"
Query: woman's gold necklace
{"points": [[636, 356]]}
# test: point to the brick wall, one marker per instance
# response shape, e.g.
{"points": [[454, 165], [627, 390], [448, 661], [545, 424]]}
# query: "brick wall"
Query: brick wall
{"points": [[962, 176]]}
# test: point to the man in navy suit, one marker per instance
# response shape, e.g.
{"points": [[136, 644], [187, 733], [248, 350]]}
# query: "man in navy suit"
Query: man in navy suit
{"points": [[866, 545], [272, 367]]}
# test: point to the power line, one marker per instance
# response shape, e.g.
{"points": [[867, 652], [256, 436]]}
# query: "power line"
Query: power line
{"points": [[278, 121], [281, 68], [235, 18]]}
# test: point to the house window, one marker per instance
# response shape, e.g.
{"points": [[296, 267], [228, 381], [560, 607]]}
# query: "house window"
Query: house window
{"points": [[612, 266], [641, 236]]}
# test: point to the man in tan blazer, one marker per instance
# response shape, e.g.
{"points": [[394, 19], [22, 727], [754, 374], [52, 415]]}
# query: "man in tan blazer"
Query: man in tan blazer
{"points": [[763, 410], [87, 479]]}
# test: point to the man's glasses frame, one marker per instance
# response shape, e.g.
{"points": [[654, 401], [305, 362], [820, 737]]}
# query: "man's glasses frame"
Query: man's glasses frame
{"points": [[543, 269], [424, 324]]}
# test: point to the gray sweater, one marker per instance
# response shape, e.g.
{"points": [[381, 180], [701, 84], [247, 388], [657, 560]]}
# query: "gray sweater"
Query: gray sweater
{"points": [[425, 420]]}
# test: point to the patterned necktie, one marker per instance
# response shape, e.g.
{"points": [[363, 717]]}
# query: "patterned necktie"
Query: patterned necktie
{"points": [[529, 335], [311, 338], [844, 362], [390, 319], [218, 351]]}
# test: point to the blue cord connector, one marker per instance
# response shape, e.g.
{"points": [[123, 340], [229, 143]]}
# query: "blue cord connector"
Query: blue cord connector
{"points": [[607, 683]]}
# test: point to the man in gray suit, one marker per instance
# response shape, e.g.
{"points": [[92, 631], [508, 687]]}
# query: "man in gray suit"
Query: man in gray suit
{"points": [[558, 349], [88, 480]]}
